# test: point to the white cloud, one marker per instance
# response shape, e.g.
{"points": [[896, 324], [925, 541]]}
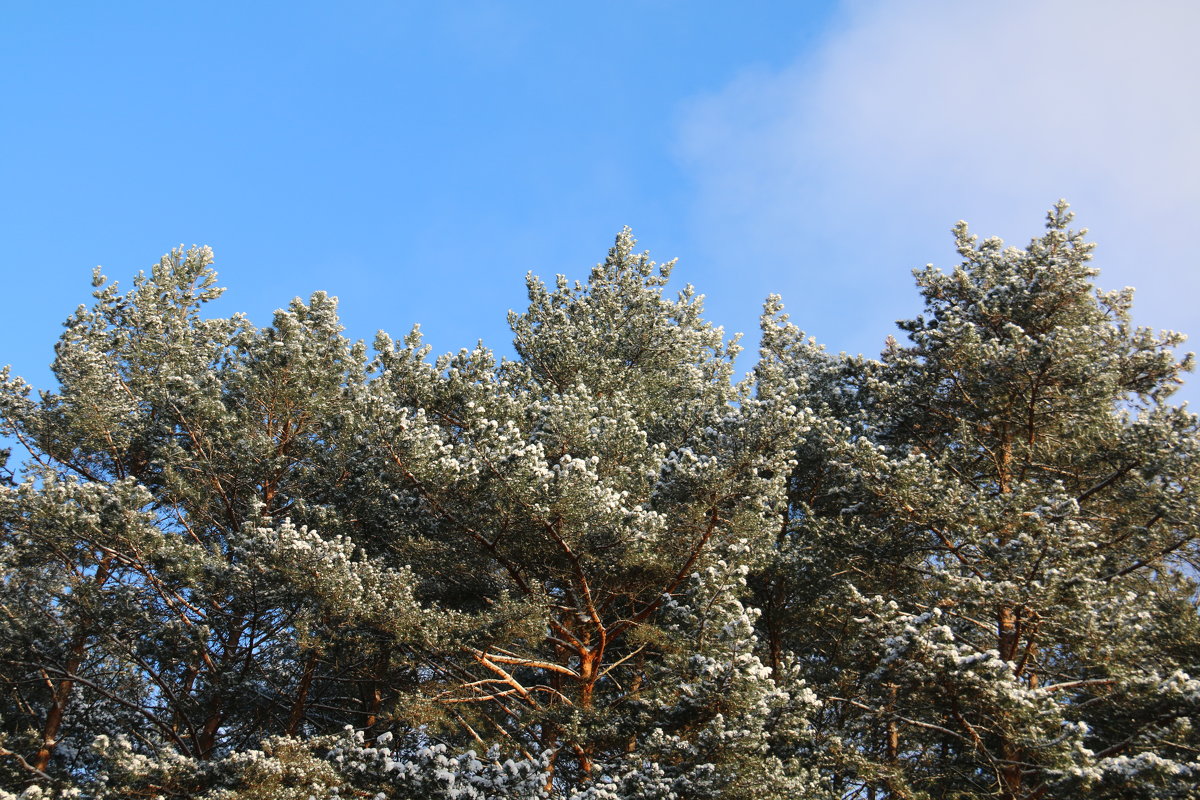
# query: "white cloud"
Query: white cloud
{"points": [[854, 161]]}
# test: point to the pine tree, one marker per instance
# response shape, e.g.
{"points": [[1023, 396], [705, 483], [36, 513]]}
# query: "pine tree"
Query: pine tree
{"points": [[153, 586], [555, 504], [1009, 505]]}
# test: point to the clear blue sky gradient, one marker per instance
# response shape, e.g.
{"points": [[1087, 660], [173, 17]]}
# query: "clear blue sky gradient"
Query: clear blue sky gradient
{"points": [[417, 159]]}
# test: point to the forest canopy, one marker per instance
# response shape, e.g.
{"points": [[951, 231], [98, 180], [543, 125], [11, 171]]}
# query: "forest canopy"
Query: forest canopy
{"points": [[270, 562]]}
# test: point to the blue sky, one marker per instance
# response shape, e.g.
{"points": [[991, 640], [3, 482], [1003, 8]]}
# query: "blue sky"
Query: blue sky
{"points": [[417, 159]]}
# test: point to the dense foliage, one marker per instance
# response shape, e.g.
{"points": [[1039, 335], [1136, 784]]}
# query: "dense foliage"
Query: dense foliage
{"points": [[266, 563]]}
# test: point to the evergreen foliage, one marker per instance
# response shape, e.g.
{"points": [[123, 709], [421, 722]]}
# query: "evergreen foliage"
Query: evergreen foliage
{"points": [[267, 563]]}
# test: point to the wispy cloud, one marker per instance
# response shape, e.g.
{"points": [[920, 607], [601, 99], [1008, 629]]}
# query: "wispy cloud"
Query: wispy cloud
{"points": [[853, 162]]}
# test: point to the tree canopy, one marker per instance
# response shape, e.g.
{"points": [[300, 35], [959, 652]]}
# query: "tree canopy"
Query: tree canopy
{"points": [[243, 562]]}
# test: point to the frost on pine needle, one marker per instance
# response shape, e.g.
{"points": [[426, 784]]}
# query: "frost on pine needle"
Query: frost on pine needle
{"points": [[243, 562]]}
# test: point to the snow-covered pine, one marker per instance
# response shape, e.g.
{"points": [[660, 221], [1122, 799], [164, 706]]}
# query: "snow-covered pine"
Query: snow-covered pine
{"points": [[263, 563], [985, 563], [556, 504]]}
